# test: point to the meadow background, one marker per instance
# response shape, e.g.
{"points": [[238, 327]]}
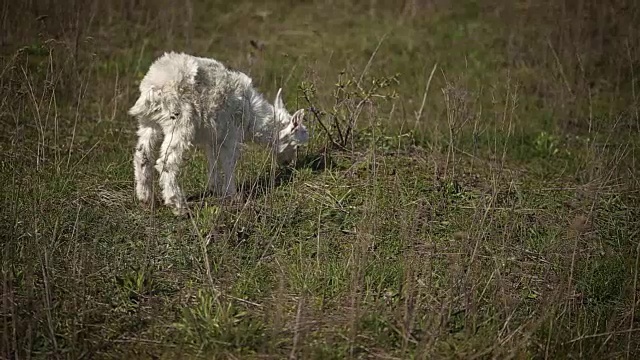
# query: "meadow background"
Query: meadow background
{"points": [[470, 190]]}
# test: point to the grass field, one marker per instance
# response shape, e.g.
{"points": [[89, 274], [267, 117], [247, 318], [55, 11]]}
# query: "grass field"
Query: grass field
{"points": [[470, 189]]}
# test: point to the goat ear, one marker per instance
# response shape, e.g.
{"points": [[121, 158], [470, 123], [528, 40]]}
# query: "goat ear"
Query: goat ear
{"points": [[297, 118], [278, 102]]}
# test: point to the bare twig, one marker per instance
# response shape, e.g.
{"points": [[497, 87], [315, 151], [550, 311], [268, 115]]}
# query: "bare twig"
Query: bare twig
{"points": [[602, 334], [296, 333], [560, 68], [424, 96], [314, 111], [366, 68], [635, 300]]}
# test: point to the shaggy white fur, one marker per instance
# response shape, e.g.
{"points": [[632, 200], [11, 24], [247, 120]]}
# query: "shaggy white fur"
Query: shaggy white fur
{"points": [[198, 101]]}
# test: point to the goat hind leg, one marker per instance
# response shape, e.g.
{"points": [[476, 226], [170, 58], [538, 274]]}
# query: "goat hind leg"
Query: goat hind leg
{"points": [[176, 141], [214, 179], [228, 160]]}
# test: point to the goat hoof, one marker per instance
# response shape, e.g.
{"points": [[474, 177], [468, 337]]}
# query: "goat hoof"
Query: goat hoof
{"points": [[180, 211], [146, 204], [230, 198]]}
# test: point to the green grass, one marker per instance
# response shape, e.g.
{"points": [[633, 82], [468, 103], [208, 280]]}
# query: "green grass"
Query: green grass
{"points": [[470, 189]]}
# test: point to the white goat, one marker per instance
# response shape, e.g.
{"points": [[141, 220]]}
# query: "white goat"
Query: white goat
{"points": [[198, 101]]}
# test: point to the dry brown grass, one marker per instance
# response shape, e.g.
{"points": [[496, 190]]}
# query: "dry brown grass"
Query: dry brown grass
{"points": [[470, 191]]}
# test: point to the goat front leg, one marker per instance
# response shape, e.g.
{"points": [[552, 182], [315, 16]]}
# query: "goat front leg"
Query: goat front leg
{"points": [[177, 140], [143, 159]]}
